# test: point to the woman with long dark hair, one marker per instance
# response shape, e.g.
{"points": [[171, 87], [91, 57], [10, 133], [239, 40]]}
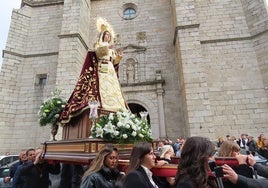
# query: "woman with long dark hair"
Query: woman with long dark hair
{"points": [[193, 165], [142, 159]]}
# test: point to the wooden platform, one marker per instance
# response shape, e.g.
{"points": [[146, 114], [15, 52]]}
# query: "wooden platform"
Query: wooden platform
{"points": [[77, 148], [80, 151]]}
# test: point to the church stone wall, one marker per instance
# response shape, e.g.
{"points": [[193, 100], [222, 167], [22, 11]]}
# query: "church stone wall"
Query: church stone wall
{"points": [[73, 45], [223, 66], [203, 70]]}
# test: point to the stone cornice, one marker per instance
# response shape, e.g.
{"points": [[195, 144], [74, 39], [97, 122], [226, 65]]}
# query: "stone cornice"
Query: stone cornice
{"points": [[28, 55], [74, 35], [41, 3], [216, 40], [234, 39], [153, 82], [183, 27]]}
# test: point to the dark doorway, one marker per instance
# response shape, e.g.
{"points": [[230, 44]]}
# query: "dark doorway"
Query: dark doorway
{"points": [[136, 109]]}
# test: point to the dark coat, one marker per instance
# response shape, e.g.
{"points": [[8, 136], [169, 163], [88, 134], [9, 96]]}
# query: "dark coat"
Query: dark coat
{"points": [[263, 152], [261, 169], [18, 179], [14, 168], [245, 182], [242, 169], [252, 146], [185, 184], [139, 179], [105, 178], [252, 183], [38, 175]]}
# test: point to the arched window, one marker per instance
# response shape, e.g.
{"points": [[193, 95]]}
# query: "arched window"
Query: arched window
{"points": [[137, 108]]}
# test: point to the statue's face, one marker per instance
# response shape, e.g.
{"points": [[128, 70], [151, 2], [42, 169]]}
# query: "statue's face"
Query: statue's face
{"points": [[106, 36]]}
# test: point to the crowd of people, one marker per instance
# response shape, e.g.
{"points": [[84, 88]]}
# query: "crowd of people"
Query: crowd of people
{"points": [[32, 170], [249, 144], [193, 167]]}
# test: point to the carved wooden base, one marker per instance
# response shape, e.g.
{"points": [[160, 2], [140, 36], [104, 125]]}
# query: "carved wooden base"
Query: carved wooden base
{"points": [[80, 151], [79, 127]]}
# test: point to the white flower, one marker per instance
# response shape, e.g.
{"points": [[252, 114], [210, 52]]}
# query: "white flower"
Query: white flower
{"points": [[109, 127], [57, 115], [119, 124], [123, 126], [99, 132], [134, 127], [134, 133], [111, 116], [127, 126], [116, 133], [136, 121]]}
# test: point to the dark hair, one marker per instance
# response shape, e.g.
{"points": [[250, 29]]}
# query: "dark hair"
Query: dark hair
{"points": [[28, 150], [193, 165], [138, 152]]}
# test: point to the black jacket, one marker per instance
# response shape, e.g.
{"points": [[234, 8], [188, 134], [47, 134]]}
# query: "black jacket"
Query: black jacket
{"points": [[105, 178], [251, 183], [245, 182], [38, 175], [139, 179], [242, 169]]}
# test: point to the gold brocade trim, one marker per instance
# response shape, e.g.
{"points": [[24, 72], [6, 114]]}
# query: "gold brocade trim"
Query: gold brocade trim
{"points": [[85, 90]]}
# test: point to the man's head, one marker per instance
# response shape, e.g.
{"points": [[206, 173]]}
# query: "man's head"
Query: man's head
{"points": [[30, 153], [23, 156]]}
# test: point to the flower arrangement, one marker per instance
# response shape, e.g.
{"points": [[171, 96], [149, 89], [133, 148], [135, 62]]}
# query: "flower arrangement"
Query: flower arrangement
{"points": [[51, 108], [122, 127]]}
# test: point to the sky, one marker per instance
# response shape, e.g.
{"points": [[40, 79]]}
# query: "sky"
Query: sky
{"points": [[5, 17]]}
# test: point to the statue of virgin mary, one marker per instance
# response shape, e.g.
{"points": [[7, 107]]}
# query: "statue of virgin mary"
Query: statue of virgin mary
{"points": [[98, 80]]}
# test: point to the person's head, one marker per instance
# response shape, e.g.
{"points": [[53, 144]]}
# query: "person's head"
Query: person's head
{"points": [[142, 154], [106, 36], [220, 139], [166, 152], [167, 141], [233, 138], [193, 163], [229, 149], [23, 156], [106, 157], [250, 138], [160, 143], [265, 142], [243, 136], [30, 153], [261, 137]]}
